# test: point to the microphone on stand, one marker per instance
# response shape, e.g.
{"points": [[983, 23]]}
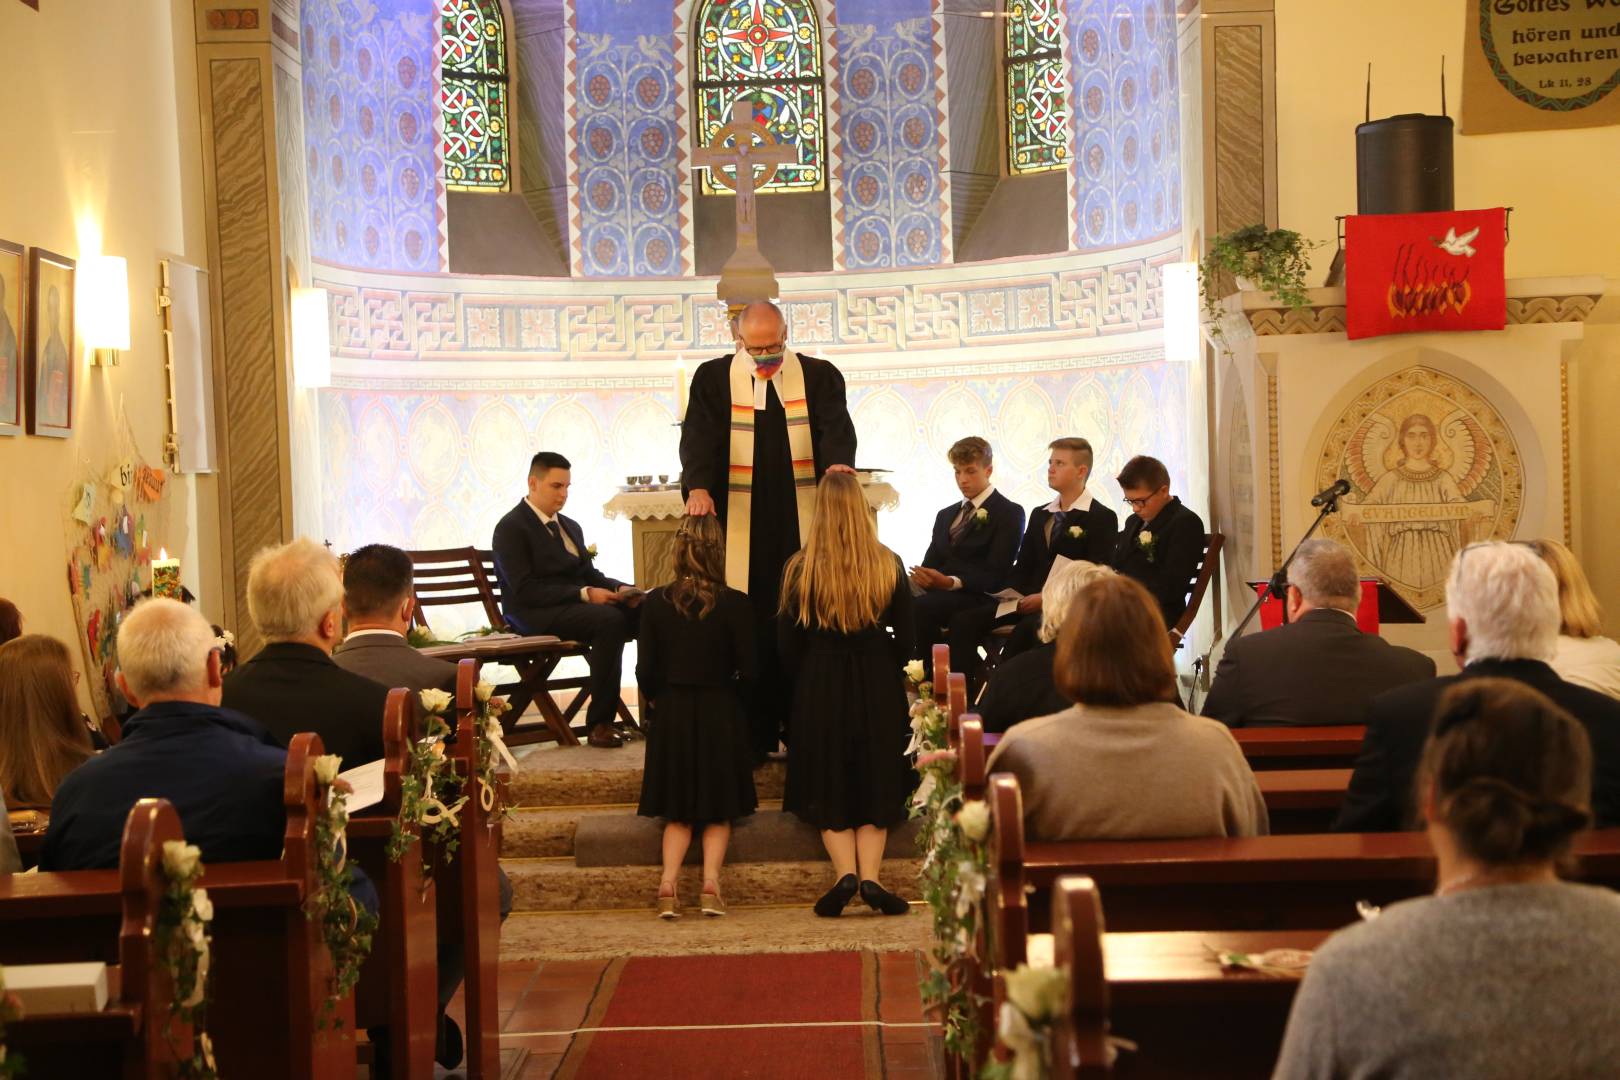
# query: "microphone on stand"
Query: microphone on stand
{"points": [[1329, 494]]}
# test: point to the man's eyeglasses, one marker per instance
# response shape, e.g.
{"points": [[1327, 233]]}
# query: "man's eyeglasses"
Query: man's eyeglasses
{"points": [[765, 350], [1137, 504]]}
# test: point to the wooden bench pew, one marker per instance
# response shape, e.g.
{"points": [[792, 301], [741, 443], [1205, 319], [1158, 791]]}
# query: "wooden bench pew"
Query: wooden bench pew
{"points": [[270, 971], [399, 981], [127, 1038], [1334, 746]]}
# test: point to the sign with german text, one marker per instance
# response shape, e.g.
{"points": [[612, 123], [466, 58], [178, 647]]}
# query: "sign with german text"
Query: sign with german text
{"points": [[1537, 64], [1412, 273]]}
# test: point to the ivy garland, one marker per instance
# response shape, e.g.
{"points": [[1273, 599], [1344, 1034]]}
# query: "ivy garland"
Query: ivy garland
{"points": [[430, 793], [954, 870], [10, 1009], [184, 949], [492, 751], [346, 927]]}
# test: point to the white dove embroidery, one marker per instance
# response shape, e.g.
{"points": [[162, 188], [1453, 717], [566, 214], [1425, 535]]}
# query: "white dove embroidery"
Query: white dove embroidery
{"points": [[1458, 245]]}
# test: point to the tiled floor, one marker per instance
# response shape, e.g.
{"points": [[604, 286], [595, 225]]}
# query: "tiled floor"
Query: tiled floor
{"points": [[554, 996]]}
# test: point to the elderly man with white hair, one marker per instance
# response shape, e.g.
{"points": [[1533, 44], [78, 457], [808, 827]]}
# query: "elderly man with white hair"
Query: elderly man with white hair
{"points": [[1022, 687], [218, 768], [1502, 605], [295, 597]]}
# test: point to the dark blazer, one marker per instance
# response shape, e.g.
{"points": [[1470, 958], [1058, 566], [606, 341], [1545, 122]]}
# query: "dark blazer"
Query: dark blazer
{"points": [[290, 687], [220, 769], [1178, 547], [1380, 795], [1319, 670], [1098, 527], [536, 569], [1021, 688], [389, 659], [982, 555]]}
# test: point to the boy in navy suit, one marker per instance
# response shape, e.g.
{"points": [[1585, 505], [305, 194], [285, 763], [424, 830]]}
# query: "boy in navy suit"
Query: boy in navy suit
{"points": [[550, 585], [969, 555]]}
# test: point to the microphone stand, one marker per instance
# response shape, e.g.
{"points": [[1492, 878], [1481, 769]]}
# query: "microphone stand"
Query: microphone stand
{"points": [[1278, 585]]}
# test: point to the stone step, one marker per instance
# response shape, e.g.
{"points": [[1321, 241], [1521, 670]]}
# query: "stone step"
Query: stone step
{"points": [[548, 832], [538, 784], [559, 885], [767, 836]]}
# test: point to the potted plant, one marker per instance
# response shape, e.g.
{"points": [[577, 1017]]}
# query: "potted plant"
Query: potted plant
{"points": [[1273, 260]]}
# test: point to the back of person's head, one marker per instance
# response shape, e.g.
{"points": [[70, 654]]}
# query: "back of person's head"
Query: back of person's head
{"points": [[163, 648], [291, 588], [1144, 472], [10, 621], [1325, 575], [1079, 449], [1113, 649], [843, 576], [970, 451], [1507, 599], [377, 580], [1062, 586], [1506, 772], [700, 565], [1580, 615], [42, 736]]}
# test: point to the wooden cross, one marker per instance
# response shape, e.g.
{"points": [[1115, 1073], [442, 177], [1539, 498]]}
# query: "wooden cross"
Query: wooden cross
{"points": [[744, 144]]}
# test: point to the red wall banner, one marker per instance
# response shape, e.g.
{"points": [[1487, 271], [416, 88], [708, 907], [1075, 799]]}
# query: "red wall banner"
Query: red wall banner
{"points": [[1411, 273]]}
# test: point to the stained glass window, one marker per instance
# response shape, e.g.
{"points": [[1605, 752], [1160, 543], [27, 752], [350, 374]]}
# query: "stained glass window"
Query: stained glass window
{"points": [[472, 97], [767, 52], [1037, 88]]}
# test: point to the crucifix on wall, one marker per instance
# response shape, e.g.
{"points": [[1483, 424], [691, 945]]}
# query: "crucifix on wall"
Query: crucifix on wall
{"points": [[745, 145]]}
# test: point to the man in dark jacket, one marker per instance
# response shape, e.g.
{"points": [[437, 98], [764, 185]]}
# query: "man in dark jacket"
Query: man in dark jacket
{"points": [[1162, 543], [550, 585], [294, 597], [1502, 603], [969, 555], [1318, 668], [378, 603]]}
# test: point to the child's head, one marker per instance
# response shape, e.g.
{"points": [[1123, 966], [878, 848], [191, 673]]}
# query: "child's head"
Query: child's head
{"points": [[970, 457], [1068, 464], [700, 565]]}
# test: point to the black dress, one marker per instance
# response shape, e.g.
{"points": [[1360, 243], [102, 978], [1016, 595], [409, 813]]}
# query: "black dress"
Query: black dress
{"points": [[849, 726], [699, 767]]}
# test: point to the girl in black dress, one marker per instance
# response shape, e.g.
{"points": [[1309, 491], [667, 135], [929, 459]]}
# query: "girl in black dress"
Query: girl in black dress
{"points": [[847, 769], [695, 656]]}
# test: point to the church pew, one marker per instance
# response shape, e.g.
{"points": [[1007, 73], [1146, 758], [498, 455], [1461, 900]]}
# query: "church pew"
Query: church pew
{"points": [[399, 981], [270, 971], [127, 1038], [469, 892], [1080, 1045], [1334, 746]]}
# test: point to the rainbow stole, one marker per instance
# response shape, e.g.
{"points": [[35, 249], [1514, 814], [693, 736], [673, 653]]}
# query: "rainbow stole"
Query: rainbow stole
{"points": [[740, 477]]}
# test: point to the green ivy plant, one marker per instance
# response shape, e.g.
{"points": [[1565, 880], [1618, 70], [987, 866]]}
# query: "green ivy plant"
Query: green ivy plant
{"points": [[184, 946], [1276, 260], [346, 927], [430, 792]]}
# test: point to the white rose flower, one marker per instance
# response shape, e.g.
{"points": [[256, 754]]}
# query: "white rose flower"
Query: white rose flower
{"points": [[327, 767], [180, 859], [1076, 531], [974, 820], [969, 887], [201, 906], [482, 691], [981, 515], [915, 671], [435, 701], [1040, 993], [1144, 538]]}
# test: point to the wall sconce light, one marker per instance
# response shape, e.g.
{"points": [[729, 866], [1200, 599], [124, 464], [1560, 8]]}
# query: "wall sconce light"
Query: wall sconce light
{"points": [[1182, 341], [312, 339], [103, 303]]}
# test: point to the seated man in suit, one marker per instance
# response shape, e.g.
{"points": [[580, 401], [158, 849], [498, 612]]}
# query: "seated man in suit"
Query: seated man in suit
{"points": [[1025, 687], [377, 604], [550, 585], [1502, 606], [294, 596], [970, 553], [1162, 544], [1319, 668], [1074, 525]]}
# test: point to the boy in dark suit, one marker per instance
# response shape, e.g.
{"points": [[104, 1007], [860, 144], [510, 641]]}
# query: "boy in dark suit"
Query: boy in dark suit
{"points": [[1163, 542], [969, 555], [378, 604], [550, 585]]}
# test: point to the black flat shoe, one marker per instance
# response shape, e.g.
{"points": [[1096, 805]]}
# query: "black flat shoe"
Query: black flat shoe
{"points": [[880, 899], [832, 902]]}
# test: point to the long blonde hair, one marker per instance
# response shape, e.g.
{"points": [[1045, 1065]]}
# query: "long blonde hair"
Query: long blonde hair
{"points": [[843, 577], [42, 736], [1579, 614]]}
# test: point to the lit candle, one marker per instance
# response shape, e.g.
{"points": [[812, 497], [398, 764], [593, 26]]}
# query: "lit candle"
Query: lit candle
{"points": [[680, 392], [166, 576]]}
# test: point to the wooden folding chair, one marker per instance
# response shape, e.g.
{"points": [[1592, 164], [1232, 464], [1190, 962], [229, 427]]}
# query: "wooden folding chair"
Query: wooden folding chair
{"points": [[1199, 583]]}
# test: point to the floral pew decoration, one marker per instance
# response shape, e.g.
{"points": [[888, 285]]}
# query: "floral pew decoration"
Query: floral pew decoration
{"points": [[346, 927]]}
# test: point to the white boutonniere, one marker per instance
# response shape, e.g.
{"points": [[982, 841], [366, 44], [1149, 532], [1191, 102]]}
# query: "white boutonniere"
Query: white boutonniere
{"points": [[590, 551], [1076, 532], [1147, 542], [981, 516]]}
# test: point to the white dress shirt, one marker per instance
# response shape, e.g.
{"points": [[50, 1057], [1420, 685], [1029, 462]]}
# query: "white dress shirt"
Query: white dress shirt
{"points": [[567, 541], [977, 501]]}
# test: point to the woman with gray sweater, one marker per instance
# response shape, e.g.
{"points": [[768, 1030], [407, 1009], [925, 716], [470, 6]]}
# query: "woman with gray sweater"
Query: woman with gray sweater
{"points": [[1126, 762], [1506, 971]]}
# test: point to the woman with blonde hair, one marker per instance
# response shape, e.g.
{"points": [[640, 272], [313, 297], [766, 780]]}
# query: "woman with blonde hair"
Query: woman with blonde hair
{"points": [[1023, 687], [42, 734], [847, 769], [1584, 657], [694, 659]]}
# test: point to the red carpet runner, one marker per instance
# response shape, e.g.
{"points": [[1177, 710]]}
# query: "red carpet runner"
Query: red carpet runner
{"points": [[833, 991]]}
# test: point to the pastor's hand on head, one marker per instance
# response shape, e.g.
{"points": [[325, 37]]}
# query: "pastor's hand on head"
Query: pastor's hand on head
{"points": [[698, 503], [842, 468]]}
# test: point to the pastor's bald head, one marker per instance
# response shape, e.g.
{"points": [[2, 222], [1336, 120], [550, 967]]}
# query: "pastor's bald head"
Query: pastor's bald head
{"points": [[762, 323]]}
